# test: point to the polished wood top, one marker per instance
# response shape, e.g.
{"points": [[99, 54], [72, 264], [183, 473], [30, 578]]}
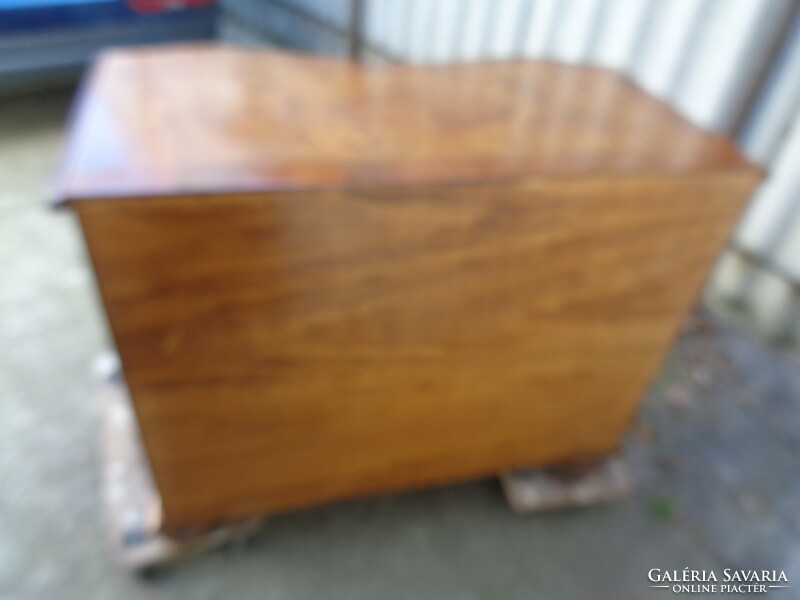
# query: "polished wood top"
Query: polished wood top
{"points": [[205, 118]]}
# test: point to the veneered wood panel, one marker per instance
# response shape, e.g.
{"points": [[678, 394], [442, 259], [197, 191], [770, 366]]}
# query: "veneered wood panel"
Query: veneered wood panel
{"points": [[287, 349], [205, 118]]}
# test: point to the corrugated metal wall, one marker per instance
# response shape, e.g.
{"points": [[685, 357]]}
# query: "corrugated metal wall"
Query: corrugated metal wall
{"points": [[732, 66]]}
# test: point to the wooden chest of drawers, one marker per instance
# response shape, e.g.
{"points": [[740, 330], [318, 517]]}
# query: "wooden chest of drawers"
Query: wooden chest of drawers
{"points": [[326, 280]]}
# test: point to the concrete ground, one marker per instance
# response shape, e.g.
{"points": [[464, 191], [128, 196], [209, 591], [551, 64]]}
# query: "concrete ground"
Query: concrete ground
{"points": [[715, 453]]}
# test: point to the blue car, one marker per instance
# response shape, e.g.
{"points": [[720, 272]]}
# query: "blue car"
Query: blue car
{"points": [[49, 41]]}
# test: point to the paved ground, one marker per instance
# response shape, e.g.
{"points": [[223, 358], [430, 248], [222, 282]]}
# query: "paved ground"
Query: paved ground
{"points": [[715, 454]]}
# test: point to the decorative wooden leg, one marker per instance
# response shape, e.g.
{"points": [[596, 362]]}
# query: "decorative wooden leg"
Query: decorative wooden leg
{"points": [[132, 504], [577, 483]]}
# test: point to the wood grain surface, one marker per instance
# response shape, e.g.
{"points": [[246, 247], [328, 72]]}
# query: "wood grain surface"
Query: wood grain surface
{"points": [[288, 349], [205, 118], [327, 280]]}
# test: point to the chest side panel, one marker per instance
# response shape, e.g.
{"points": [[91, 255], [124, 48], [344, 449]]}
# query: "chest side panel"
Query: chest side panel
{"points": [[287, 349]]}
